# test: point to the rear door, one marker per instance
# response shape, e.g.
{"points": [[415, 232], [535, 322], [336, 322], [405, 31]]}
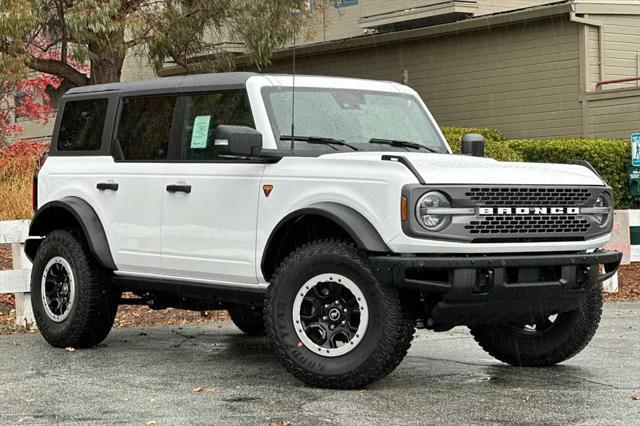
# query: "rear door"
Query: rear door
{"points": [[132, 183], [209, 202]]}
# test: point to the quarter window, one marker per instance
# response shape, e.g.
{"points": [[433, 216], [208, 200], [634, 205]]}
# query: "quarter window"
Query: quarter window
{"points": [[203, 113], [81, 125], [144, 130]]}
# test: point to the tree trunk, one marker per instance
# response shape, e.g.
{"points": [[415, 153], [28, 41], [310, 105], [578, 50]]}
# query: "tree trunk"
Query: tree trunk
{"points": [[106, 69], [108, 59]]}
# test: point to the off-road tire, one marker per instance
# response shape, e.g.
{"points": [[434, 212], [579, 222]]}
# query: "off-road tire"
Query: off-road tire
{"points": [[250, 321], [94, 309], [564, 340], [388, 335]]}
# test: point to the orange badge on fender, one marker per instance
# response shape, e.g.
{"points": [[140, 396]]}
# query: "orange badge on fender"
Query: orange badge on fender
{"points": [[267, 189]]}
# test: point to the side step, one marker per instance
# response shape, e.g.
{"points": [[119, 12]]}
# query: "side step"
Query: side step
{"points": [[187, 294]]}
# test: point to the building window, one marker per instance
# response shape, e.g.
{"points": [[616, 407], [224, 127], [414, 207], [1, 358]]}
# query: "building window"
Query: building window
{"points": [[344, 3]]}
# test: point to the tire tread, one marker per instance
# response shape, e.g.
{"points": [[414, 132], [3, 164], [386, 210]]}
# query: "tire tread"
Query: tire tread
{"points": [[392, 349], [498, 343], [96, 301]]}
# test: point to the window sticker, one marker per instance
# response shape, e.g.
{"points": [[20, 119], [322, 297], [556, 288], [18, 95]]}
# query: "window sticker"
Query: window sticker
{"points": [[200, 133]]}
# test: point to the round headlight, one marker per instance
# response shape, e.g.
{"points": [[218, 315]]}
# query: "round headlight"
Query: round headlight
{"points": [[602, 201], [432, 221]]}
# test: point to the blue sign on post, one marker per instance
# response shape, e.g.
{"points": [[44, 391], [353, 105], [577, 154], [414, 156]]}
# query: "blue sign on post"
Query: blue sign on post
{"points": [[635, 149]]}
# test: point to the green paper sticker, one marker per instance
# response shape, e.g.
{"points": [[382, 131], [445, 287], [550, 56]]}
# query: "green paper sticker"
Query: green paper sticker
{"points": [[200, 133]]}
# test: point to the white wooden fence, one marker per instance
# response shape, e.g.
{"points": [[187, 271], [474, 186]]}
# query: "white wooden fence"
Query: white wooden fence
{"points": [[17, 280]]}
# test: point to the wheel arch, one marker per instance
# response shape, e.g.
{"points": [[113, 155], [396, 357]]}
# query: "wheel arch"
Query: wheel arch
{"points": [[70, 212], [346, 222]]}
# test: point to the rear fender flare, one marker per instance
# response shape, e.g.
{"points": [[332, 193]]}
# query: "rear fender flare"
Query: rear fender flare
{"points": [[86, 217]]}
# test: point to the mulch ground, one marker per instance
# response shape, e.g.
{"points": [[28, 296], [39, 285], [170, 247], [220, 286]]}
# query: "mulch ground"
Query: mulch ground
{"points": [[142, 316], [628, 284]]}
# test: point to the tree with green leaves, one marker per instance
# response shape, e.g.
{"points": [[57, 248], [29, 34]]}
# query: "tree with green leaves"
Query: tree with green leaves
{"points": [[43, 35]]}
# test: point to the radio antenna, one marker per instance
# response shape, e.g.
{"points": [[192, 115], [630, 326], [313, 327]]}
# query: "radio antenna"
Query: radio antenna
{"points": [[293, 92]]}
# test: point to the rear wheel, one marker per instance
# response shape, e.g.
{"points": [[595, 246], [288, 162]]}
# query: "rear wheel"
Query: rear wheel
{"points": [[72, 299], [332, 323], [248, 319], [543, 341]]}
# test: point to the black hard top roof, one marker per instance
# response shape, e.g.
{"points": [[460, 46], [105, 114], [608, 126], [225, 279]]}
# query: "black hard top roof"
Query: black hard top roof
{"points": [[187, 83]]}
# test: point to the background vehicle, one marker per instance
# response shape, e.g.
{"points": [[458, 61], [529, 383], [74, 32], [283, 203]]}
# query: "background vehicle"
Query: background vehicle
{"points": [[334, 225]]}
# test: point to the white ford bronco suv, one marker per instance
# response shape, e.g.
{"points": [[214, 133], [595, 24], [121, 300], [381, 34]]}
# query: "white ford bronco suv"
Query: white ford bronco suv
{"points": [[327, 213]]}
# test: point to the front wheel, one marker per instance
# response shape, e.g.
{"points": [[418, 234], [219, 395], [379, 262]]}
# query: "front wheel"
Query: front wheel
{"points": [[332, 323], [544, 341]]}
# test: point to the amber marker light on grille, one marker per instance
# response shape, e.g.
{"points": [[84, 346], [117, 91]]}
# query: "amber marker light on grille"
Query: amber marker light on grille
{"points": [[403, 208]]}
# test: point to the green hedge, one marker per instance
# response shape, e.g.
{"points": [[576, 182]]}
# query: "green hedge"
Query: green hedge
{"points": [[495, 146], [610, 157]]}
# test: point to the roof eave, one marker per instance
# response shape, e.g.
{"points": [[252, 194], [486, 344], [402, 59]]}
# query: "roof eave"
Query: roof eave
{"points": [[470, 24]]}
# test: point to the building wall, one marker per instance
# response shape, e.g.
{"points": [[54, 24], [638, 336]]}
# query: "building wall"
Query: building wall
{"points": [[37, 130], [614, 49], [486, 7], [136, 67], [521, 79], [331, 23], [593, 59], [614, 114], [375, 7], [334, 23]]}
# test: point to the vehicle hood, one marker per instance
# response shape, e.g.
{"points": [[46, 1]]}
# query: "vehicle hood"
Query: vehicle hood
{"points": [[462, 169]]}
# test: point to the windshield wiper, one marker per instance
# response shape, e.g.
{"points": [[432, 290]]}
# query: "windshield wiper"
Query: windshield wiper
{"points": [[403, 144], [318, 140]]}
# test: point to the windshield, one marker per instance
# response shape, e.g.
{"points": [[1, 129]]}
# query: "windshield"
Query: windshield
{"points": [[352, 116]]}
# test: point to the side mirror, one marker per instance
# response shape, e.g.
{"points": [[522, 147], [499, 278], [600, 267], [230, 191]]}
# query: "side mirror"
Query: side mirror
{"points": [[239, 141], [473, 144]]}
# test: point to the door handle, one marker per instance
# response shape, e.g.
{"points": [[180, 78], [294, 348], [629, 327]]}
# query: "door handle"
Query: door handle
{"points": [[179, 188], [107, 186]]}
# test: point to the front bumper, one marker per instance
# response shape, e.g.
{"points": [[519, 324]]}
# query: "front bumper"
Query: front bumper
{"points": [[473, 290]]}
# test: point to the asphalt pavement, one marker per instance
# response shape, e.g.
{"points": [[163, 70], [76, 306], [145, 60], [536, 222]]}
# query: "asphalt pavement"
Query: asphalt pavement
{"points": [[212, 374]]}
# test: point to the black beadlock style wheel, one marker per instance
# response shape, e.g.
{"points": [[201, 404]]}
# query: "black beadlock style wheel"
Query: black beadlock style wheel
{"points": [[249, 320], [72, 299], [544, 341], [330, 320]]}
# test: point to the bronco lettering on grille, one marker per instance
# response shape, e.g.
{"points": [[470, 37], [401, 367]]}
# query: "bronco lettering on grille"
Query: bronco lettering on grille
{"points": [[527, 210]]}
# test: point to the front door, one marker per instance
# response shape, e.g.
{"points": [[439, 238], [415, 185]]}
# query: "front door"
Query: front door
{"points": [[209, 202]]}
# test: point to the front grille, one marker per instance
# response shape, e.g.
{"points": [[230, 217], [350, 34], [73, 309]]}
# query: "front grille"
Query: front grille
{"points": [[518, 196], [528, 224], [499, 221]]}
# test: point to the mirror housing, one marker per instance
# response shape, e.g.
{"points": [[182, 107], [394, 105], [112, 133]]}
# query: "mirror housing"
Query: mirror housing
{"points": [[240, 141], [472, 144]]}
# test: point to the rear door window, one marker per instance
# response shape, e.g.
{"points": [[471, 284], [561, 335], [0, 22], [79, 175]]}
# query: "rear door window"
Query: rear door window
{"points": [[144, 130], [81, 125], [203, 113]]}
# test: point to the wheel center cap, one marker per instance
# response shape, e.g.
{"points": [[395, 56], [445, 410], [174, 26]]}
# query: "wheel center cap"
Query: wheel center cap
{"points": [[334, 314]]}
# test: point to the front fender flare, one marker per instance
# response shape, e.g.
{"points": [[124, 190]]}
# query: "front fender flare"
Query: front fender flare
{"points": [[44, 222], [363, 233], [357, 226]]}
